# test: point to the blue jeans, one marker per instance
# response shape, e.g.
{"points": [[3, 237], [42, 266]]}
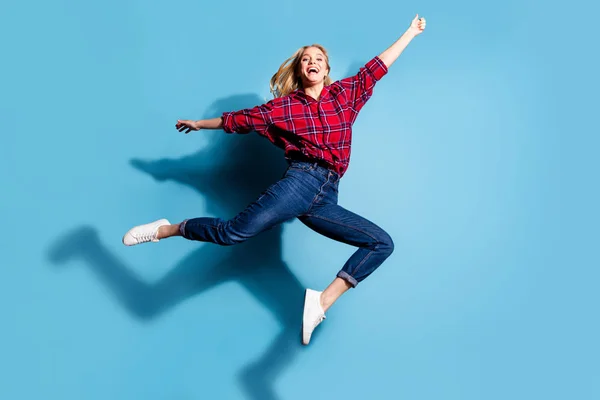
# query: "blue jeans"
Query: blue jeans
{"points": [[308, 192]]}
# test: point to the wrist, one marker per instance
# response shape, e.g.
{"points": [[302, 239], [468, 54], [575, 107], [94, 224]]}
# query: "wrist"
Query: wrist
{"points": [[410, 33]]}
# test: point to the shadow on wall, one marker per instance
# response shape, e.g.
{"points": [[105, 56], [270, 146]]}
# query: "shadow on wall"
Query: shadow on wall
{"points": [[246, 166]]}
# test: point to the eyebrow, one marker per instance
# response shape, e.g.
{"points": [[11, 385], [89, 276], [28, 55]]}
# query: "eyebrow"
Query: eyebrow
{"points": [[316, 55]]}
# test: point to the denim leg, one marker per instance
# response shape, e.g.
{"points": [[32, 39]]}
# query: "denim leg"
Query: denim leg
{"points": [[337, 223], [282, 201]]}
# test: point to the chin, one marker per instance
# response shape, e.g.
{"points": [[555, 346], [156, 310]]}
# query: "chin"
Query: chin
{"points": [[314, 81]]}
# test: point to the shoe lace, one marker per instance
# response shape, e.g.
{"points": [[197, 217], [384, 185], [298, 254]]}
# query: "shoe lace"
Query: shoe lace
{"points": [[146, 237]]}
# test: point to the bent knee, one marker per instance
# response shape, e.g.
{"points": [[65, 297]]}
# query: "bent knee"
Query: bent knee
{"points": [[386, 244]]}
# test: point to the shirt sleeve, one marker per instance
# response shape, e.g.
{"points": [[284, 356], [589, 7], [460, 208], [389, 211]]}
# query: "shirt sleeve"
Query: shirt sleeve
{"points": [[257, 119], [360, 86]]}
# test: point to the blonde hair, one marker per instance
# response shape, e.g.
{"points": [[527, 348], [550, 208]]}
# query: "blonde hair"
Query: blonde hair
{"points": [[287, 78]]}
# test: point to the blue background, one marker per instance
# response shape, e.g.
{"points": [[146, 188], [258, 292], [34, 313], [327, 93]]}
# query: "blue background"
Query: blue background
{"points": [[477, 153]]}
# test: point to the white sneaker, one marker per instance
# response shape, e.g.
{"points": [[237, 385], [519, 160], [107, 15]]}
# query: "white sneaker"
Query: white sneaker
{"points": [[144, 233], [313, 314]]}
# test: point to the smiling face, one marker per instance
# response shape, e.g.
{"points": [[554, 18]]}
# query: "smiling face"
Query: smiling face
{"points": [[313, 67]]}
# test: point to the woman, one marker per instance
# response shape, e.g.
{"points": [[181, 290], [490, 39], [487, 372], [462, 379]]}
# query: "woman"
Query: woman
{"points": [[311, 119]]}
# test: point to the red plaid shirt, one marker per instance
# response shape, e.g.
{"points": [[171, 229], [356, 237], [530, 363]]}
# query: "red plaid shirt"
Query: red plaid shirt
{"points": [[309, 129]]}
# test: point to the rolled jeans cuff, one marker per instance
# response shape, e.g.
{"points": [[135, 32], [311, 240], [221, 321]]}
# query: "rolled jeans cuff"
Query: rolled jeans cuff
{"points": [[182, 228], [348, 278]]}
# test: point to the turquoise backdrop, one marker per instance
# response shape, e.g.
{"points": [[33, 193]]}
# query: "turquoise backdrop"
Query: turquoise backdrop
{"points": [[477, 153]]}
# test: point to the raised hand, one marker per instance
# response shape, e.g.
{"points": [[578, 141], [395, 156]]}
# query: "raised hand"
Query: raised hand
{"points": [[187, 125], [417, 25]]}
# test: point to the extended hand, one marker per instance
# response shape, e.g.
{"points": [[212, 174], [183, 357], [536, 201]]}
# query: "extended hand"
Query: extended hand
{"points": [[417, 25], [187, 125]]}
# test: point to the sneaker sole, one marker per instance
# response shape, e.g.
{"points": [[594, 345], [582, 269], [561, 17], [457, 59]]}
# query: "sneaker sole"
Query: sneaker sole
{"points": [[303, 311]]}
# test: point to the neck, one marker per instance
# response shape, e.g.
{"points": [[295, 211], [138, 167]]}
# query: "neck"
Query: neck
{"points": [[314, 91]]}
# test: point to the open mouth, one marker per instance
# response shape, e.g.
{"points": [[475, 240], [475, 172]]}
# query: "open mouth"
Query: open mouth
{"points": [[313, 70]]}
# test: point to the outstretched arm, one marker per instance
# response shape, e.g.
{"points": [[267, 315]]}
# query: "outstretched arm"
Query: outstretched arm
{"points": [[190, 125], [244, 121], [393, 52]]}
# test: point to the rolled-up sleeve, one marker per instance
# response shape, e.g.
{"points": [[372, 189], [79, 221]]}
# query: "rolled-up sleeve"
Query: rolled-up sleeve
{"points": [[256, 119], [360, 86]]}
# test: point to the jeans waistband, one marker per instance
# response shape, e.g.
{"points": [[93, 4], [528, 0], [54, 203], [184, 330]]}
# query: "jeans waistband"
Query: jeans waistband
{"points": [[314, 161], [322, 168]]}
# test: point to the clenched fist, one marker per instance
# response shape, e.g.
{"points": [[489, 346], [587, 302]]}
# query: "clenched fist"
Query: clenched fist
{"points": [[417, 25]]}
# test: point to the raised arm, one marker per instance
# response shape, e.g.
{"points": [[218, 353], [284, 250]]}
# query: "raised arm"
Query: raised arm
{"points": [[393, 52]]}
